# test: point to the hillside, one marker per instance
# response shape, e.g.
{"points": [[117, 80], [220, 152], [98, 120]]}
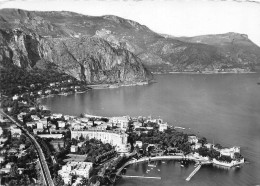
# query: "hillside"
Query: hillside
{"points": [[157, 52]]}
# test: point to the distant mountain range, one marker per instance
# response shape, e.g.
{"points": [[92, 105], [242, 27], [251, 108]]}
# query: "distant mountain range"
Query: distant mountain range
{"points": [[111, 49]]}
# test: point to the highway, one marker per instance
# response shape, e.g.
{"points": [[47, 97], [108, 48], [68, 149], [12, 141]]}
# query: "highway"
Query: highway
{"points": [[43, 163]]}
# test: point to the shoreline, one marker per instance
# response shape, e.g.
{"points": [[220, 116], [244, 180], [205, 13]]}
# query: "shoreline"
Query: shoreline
{"points": [[202, 73], [117, 85]]}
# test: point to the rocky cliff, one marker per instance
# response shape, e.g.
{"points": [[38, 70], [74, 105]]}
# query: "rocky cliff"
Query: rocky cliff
{"points": [[90, 59], [160, 53]]}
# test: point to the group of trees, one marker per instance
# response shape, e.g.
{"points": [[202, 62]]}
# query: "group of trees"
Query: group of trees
{"points": [[13, 77], [168, 138], [211, 153]]}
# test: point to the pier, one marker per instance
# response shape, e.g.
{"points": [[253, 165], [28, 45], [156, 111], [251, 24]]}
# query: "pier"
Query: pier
{"points": [[193, 172], [125, 176]]}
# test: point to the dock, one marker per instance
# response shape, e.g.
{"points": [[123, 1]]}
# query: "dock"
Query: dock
{"points": [[193, 172], [125, 176]]}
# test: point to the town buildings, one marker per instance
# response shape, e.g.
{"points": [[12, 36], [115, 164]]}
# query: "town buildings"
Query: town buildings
{"points": [[81, 169], [115, 138]]}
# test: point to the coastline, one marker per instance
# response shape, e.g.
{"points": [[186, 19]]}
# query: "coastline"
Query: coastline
{"points": [[204, 72], [117, 85]]}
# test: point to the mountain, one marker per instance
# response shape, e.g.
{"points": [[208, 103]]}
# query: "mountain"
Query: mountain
{"points": [[159, 53], [91, 59]]}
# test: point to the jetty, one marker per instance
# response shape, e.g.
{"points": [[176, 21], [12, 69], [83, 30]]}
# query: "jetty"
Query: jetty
{"points": [[146, 177], [193, 172]]}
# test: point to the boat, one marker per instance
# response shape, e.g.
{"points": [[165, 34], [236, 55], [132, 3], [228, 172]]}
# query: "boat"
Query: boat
{"points": [[163, 161], [179, 128], [182, 165], [151, 164], [159, 170]]}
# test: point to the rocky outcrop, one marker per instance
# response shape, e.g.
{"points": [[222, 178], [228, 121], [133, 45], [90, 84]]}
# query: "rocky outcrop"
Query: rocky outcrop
{"points": [[89, 59]]}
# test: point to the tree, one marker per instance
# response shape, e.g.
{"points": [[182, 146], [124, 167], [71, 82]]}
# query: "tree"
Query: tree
{"points": [[203, 141], [58, 181], [14, 170], [81, 138], [13, 183]]}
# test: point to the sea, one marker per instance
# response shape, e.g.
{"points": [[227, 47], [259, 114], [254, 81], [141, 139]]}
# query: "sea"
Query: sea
{"points": [[224, 108]]}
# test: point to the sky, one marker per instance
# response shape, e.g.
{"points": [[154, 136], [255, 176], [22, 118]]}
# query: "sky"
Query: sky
{"points": [[173, 17]]}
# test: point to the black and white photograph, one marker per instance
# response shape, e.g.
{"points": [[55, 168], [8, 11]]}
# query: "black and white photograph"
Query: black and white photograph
{"points": [[129, 92]]}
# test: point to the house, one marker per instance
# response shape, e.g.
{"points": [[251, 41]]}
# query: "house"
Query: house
{"points": [[9, 165], [196, 146], [35, 117], [56, 116], [15, 130], [48, 91], [15, 97], [163, 126], [63, 88], [12, 151], [22, 146], [61, 124], [39, 125], [52, 84], [139, 144], [30, 124], [78, 127], [208, 145], [80, 169], [2, 159], [74, 148], [32, 108], [84, 120], [5, 170], [66, 117], [1, 131], [122, 122], [193, 139], [80, 144], [2, 141], [57, 144], [21, 115], [230, 151]]}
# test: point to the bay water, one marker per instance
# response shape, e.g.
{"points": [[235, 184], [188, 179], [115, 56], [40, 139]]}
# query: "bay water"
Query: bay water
{"points": [[224, 108]]}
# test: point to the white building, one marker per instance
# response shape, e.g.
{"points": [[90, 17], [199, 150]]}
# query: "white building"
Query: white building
{"points": [[75, 168], [163, 127], [39, 125], [208, 145], [230, 151], [15, 97], [193, 139], [196, 146], [74, 148], [35, 117], [30, 124], [121, 121], [15, 130], [61, 124], [55, 136], [139, 144], [56, 116], [20, 116], [114, 138]]}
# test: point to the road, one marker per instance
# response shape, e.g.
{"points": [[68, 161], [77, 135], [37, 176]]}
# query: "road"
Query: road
{"points": [[43, 163]]}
